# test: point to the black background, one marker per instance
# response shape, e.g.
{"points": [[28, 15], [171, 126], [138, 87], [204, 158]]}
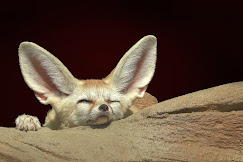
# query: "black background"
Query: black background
{"points": [[199, 44]]}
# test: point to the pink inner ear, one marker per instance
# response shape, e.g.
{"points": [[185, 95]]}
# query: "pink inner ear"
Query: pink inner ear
{"points": [[137, 74], [141, 90], [41, 74], [41, 96]]}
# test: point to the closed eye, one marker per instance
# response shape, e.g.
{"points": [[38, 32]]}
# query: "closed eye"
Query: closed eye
{"points": [[85, 101], [113, 101]]}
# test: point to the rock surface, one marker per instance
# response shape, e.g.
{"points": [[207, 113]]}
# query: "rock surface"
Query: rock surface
{"points": [[202, 126]]}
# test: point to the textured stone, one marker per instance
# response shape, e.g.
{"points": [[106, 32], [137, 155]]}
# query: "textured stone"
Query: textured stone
{"points": [[202, 126]]}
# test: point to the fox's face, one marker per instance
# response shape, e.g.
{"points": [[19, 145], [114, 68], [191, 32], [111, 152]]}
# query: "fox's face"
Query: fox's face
{"points": [[87, 102], [96, 102]]}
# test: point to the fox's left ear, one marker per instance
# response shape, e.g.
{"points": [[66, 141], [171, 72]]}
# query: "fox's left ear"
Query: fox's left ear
{"points": [[136, 68]]}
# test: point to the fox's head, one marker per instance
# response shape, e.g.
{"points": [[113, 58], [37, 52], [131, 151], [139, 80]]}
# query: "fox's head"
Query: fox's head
{"points": [[88, 102]]}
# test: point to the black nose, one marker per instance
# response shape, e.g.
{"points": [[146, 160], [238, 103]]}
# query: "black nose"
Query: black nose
{"points": [[103, 107]]}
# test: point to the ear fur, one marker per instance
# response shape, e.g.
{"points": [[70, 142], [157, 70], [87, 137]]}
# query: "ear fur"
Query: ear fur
{"points": [[44, 73], [136, 68]]}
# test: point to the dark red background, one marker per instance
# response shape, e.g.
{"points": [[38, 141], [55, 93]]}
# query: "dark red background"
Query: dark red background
{"points": [[199, 44]]}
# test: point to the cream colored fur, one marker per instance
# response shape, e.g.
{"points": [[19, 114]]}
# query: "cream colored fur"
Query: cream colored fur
{"points": [[85, 102]]}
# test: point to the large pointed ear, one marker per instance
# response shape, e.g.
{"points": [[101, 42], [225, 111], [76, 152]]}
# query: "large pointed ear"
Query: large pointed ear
{"points": [[44, 73], [136, 68]]}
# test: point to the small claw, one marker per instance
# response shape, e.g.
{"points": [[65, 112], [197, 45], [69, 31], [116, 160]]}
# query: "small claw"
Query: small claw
{"points": [[26, 128], [21, 127]]}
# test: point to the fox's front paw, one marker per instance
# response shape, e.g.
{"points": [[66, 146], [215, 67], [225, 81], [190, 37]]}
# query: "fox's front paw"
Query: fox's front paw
{"points": [[27, 123]]}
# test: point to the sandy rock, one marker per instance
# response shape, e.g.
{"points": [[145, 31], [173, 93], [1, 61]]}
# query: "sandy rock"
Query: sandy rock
{"points": [[202, 126]]}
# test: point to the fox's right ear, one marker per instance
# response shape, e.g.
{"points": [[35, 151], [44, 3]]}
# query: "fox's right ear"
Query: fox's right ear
{"points": [[44, 73]]}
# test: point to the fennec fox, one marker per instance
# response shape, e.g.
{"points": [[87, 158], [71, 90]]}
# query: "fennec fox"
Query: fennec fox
{"points": [[85, 102]]}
